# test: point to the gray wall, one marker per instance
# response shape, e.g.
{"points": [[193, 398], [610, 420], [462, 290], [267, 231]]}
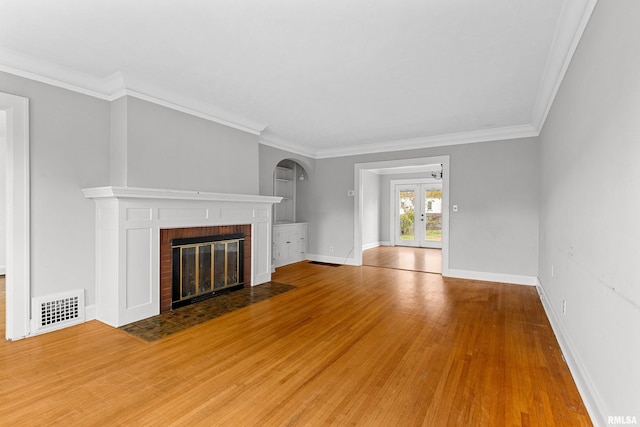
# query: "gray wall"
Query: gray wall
{"points": [[69, 144], [371, 208], [590, 205], [494, 184], [118, 145], [170, 149]]}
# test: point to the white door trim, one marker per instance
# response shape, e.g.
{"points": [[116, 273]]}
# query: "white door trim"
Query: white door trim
{"points": [[360, 168], [18, 280]]}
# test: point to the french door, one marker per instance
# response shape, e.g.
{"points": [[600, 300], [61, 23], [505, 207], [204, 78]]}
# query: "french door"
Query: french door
{"points": [[418, 219]]}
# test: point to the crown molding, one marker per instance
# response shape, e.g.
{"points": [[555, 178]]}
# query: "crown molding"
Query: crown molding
{"points": [[21, 65], [571, 25], [283, 144], [252, 128], [116, 86], [498, 134]]}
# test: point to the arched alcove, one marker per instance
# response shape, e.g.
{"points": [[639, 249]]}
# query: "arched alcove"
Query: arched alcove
{"points": [[290, 229], [289, 177]]}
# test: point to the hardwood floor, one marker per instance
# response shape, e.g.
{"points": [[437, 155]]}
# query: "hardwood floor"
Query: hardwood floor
{"points": [[350, 346], [404, 258]]}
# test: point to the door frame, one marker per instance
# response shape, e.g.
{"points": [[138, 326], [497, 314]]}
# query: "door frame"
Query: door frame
{"points": [[393, 213], [18, 277], [359, 170]]}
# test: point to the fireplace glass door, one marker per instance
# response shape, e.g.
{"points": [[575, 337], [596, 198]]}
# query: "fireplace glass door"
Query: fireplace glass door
{"points": [[203, 268]]}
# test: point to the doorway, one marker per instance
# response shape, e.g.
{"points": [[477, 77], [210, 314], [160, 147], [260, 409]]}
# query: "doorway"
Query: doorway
{"points": [[17, 281], [422, 165], [417, 214]]}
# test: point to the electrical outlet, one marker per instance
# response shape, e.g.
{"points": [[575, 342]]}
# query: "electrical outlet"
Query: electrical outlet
{"points": [[564, 306]]}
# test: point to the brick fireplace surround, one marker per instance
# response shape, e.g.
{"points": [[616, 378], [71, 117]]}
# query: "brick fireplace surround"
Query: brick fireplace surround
{"points": [[166, 237]]}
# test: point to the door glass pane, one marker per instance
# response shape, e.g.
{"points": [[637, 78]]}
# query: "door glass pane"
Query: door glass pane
{"points": [[188, 272], [433, 214], [204, 273], [407, 215], [232, 263], [219, 263]]}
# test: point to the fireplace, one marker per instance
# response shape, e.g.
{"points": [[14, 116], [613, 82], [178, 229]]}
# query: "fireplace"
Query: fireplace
{"points": [[135, 228], [190, 270], [203, 267]]}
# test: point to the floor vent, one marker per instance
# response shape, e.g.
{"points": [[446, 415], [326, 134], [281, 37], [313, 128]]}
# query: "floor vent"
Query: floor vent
{"points": [[57, 311]]}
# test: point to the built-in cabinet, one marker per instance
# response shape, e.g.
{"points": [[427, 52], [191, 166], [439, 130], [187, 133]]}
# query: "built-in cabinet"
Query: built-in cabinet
{"points": [[289, 243], [289, 236]]}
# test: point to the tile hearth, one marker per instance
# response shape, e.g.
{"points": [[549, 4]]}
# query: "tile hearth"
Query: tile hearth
{"points": [[170, 322]]}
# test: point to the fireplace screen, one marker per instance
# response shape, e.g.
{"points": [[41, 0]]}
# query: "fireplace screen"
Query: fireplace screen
{"points": [[204, 266]]}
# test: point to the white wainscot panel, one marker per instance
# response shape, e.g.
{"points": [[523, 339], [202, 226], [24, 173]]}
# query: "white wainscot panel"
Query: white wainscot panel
{"points": [[139, 260]]}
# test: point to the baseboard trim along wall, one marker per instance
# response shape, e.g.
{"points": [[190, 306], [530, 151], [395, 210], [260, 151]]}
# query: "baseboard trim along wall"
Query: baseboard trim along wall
{"points": [[590, 397], [491, 277], [331, 259], [370, 246], [375, 245]]}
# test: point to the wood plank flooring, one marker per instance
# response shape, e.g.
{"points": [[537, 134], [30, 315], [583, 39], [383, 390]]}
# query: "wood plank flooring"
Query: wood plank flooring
{"points": [[350, 346], [404, 258]]}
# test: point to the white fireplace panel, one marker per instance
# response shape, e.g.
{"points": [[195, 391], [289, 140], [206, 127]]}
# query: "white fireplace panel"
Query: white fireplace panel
{"points": [[237, 214], [107, 274], [261, 234], [263, 213], [139, 214], [182, 213], [139, 261]]}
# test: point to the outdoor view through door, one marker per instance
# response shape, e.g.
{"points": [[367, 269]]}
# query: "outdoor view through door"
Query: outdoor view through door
{"points": [[419, 221]]}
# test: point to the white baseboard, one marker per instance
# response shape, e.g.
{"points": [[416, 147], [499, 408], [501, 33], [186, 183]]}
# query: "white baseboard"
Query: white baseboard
{"points": [[370, 246], [3, 270], [491, 277], [331, 259], [592, 401], [375, 245]]}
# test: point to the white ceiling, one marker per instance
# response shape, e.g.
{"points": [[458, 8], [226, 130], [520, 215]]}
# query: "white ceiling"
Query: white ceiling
{"points": [[321, 78]]}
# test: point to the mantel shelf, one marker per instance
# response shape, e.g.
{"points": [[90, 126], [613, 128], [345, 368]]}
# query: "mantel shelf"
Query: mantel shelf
{"points": [[164, 194]]}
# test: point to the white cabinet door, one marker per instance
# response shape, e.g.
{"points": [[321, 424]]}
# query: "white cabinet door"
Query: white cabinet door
{"points": [[289, 243]]}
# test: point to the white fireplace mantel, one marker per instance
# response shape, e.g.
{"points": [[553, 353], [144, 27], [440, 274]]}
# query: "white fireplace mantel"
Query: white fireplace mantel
{"points": [[128, 223]]}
